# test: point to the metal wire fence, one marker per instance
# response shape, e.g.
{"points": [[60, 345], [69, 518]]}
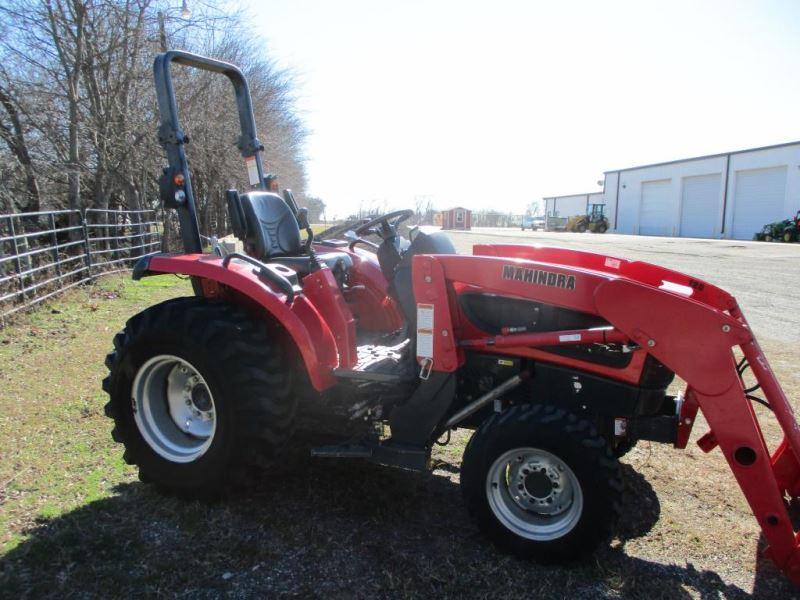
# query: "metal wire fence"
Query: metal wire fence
{"points": [[44, 253]]}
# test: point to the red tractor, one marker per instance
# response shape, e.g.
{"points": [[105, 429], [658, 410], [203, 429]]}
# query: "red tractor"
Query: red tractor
{"points": [[558, 360]]}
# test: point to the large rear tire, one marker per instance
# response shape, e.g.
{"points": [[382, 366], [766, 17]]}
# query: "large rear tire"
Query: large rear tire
{"points": [[541, 483], [199, 394]]}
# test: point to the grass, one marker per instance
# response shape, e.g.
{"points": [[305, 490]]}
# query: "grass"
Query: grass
{"points": [[320, 227], [75, 521], [54, 439]]}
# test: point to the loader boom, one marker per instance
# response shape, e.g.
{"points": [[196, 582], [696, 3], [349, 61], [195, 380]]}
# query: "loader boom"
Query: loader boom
{"points": [[696, 341]]}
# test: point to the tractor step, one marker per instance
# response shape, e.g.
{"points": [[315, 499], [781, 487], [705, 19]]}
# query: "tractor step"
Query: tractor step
{"points": [[383, 453], [380, 364], [342, 451], [371, 376]]}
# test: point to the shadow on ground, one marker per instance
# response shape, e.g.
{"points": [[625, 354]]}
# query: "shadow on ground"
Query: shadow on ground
{"points": [[318, 528]]}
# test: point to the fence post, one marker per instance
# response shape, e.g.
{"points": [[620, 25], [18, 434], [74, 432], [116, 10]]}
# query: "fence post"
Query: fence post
{"points": [[138, 229], [87, 245], [17, 261], [54, 239], [116, 235]]}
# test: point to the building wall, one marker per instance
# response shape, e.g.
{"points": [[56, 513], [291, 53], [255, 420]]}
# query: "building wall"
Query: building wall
{"points": [[610, 198], [627, 208], [634, 197], [567, 206], [788, 157]]}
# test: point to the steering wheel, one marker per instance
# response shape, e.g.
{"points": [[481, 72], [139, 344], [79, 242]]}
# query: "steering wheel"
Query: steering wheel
{"points": [[388, 223]]}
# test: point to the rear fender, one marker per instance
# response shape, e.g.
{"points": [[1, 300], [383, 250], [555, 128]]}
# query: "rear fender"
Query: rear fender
{"points": [[300, 319]]}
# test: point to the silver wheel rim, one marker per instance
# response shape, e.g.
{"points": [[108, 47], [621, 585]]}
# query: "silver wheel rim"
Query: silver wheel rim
{"points": [[534, 494], [173, 408]]}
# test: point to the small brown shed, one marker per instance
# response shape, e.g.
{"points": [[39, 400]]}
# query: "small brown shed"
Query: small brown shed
{"points": [[457, 218]]}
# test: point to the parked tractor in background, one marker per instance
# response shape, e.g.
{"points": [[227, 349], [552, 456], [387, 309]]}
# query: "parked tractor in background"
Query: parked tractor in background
{"points": [[555, 360], [787, 231], [791, 232], [595, 221]]}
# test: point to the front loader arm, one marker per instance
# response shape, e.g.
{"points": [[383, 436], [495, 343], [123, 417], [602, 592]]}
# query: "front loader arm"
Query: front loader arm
{"points": [[696, 341]]}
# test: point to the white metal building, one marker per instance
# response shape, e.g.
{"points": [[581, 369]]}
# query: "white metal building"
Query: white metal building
{"points": [[568, 206], [729, 195]]}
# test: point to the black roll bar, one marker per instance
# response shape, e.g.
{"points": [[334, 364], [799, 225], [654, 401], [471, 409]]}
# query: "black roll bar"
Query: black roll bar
{"points": [[172, 138]]}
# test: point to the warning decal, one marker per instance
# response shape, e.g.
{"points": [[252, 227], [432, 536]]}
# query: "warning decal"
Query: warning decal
{"points": [[252, 170], [425, 330]]}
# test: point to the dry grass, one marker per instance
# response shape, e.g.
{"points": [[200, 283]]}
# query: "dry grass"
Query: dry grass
{"points": [[75, 521]]}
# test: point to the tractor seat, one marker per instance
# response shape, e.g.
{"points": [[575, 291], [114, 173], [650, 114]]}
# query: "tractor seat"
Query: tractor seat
{"points": [[270, 233]]}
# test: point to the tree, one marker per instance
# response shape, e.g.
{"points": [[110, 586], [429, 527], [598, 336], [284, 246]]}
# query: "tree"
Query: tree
{"points": [[535, 208], [78, 115], [316, 209], [13, 133]]}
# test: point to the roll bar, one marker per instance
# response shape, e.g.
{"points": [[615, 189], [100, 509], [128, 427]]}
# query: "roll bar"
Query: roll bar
{"points": [[175, 184]]}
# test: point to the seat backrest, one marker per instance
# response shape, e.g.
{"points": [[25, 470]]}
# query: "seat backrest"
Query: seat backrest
{"points": [[270, 228]]}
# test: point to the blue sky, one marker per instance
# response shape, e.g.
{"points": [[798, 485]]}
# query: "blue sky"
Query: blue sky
{"points": [[495, 104]]}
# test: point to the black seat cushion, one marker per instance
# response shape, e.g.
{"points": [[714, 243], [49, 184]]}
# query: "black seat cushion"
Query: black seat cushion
{"points": [[402, 287], [271, 229]]}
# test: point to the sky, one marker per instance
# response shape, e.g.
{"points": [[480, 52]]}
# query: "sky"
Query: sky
{"points": [[498, 103]]}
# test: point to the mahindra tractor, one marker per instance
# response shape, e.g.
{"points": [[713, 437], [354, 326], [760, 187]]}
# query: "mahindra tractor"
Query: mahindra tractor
{"points": [[556, 360]]}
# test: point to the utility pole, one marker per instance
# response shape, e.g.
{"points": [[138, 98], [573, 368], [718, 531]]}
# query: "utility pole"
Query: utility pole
{"points": [[162, 32], [162, 29]]}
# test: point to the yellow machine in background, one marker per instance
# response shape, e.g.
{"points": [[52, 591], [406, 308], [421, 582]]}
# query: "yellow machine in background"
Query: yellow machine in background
{"points": [[595, 221]]}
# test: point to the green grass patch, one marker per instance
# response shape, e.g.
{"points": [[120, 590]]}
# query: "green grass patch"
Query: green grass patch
{"points": [[54, 439]]}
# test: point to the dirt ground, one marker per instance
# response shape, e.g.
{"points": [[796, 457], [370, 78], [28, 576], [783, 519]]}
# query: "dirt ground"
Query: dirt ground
{"points": [[75, 521]]}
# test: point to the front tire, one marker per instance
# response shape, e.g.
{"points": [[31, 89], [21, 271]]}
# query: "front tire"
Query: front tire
{"points": [[199, 394], [541, 483]]}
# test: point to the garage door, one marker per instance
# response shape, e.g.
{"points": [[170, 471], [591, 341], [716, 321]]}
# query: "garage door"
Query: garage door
{"points": [[655, 214], [759, 199], [700, 206]]}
